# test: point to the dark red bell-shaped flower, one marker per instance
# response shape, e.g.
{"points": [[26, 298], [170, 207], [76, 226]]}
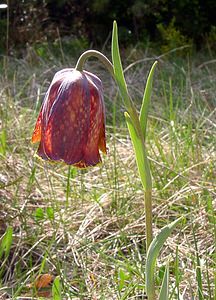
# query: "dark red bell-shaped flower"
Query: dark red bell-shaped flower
{"points": [[71, 124]]}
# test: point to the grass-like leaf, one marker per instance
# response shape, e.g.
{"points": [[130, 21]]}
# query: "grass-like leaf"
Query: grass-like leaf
{"points": [[146, 100], [5, 246], [56, 289], [6, 242], [164, 291], [140, 153], [117, 65], [153, 253], [3, 142], [198, 269], [177, 272], [68, 188]]}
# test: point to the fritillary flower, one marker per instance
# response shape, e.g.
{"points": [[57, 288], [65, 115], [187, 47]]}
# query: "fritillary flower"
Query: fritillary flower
{"points": [[71, 123]]}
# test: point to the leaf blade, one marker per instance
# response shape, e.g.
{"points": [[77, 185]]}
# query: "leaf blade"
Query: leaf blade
{"points": [[117, 66], [153, 253], [164, 291], [146, 100], [6, 242], [56, 289], [140, 154]]}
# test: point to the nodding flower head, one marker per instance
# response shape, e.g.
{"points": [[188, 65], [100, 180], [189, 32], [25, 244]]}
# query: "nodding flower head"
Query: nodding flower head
{"points": [[71, 123]]}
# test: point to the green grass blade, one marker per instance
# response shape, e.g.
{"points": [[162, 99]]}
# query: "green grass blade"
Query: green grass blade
{"points": [[177, 273], [32, 176], [171, 110], [198, 269], [208, 281], [153, 253], [68, 188], [117, 65], [56, 289], [146, 100], [164, 292], [6, 242], [3, 143], [140, 154]]}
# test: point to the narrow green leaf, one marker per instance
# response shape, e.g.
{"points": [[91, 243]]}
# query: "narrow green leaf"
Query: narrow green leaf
{"points": [[56, 289], [146, 100], [68, 188], [209, 280], [140, 154], [198, 269], [117, 66], [3, 143], [153, 253], [177, 273], [32, 176], [122, 277], [73, 172], [6, 242], [164, 291]]}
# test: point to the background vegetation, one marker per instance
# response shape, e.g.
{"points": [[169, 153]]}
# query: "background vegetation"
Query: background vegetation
{"points": [[88, 226], [90, 22]]}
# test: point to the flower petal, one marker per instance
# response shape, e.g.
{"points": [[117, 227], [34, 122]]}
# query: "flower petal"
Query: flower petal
{"points": [[66, 133], [91, 153], [47, 103], [102, 139], [36, 136], [98, 86]]}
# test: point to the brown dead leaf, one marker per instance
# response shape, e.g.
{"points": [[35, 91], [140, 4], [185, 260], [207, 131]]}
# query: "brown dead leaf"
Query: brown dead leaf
{"points": [[42, 281]]}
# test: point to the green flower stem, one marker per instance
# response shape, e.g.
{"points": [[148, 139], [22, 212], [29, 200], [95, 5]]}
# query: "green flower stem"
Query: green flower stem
{"points": [[105, 61]]}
